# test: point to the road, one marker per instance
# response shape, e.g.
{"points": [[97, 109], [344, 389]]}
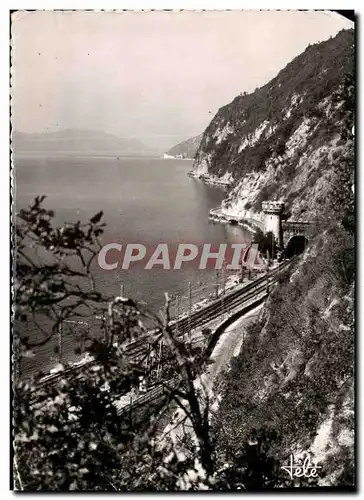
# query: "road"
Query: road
{"points": [[228, 346]]}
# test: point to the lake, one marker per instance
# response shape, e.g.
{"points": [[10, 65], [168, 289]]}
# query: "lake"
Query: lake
{"points": [[144, 201]]}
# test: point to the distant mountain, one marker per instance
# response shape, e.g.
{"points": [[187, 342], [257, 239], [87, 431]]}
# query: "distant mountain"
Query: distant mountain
{"points": [[187, 148], [79, 141]]}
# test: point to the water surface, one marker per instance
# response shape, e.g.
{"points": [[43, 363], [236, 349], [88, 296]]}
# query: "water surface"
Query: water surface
{"points": [[145, 201]]}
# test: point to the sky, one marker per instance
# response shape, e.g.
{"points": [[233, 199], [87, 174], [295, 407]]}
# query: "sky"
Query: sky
{"points": [[156, 76]]}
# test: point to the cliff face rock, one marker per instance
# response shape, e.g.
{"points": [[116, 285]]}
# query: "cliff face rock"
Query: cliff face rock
{"points": [[186, 149], [290, 389], [286, 139], [292, 383]]}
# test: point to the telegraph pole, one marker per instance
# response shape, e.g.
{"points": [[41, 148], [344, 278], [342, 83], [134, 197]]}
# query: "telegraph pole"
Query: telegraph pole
{"points": [[83, 340], [242, 273], [217, 284], [103, 319], [131, 410], [60, 343], [147, 362], [177, 314], [189, 309], [223, 292], [159, 359], [121, 290], [243, 345]]}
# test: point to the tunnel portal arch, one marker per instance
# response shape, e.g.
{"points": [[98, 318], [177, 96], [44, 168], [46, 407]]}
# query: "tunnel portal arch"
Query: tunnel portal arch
{"points": [[295, 245]]}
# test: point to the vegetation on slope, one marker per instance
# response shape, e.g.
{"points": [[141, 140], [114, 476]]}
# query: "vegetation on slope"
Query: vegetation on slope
{"points": [[274, 141], [296, 367], [294, 375], [294, 378]]}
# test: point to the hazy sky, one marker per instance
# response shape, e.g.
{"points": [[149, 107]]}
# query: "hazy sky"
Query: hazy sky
{"points": [[150, 75]]}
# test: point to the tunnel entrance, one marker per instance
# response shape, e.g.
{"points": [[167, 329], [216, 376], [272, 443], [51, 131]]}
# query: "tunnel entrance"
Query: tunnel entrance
{"points": [[295, 246]]}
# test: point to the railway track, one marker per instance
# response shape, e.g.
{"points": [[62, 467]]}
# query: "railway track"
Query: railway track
{"points": [[259, 290], [165, 387], [198, 319]]}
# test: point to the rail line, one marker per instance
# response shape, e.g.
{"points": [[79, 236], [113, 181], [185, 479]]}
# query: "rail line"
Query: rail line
{"points": [[198, 319], [260, 291], [165, 387]]}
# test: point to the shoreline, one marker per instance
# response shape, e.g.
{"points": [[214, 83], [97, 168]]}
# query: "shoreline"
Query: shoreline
{"points": [[208, 180], [216, 214], [167, 157], [252, 225]]}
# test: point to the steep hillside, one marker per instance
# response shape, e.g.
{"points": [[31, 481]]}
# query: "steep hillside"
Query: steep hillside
{"points": [[291, 388], [290, 391], [285, 140], [186, 149]]}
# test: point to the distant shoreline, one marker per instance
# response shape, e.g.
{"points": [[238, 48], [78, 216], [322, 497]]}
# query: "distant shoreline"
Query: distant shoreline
{"points": [[166, 156], [81, 154]]}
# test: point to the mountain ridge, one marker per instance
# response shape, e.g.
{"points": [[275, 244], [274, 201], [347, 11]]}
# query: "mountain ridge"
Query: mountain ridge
{"points": [[186, 148], [75, 140]]}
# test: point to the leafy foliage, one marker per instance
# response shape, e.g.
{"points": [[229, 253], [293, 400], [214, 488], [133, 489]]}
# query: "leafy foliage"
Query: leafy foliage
{"points": [[53, 277], [69, 432], [298, 360]]}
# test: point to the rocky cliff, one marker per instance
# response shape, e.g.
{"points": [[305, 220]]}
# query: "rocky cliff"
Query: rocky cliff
{"points": [[290, 391], [285, 140], [291, 388]]}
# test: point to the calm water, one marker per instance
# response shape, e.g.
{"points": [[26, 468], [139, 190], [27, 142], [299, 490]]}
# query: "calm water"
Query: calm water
{"points": [[144, 200]]}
